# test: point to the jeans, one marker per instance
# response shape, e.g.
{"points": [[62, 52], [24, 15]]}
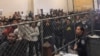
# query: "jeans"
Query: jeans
{"points": [[33, 44]]}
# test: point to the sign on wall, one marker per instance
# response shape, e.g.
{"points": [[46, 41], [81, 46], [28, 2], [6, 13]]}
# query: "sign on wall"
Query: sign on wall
{"points": [[81, 5]]}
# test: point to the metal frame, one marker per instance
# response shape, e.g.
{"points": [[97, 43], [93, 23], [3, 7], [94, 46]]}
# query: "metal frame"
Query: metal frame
{"points": [[64, 46], [41, 20]]}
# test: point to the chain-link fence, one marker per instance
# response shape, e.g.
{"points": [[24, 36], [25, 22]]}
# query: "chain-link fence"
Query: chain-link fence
{"points": [[46, 36]]}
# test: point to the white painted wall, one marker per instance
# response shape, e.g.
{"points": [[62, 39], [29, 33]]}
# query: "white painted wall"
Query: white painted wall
{"points": [[10, 6], [46, 5]]}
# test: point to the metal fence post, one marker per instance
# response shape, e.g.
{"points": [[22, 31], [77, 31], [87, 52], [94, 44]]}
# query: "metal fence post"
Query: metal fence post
{"points": [[41, 27], [92, 22]]}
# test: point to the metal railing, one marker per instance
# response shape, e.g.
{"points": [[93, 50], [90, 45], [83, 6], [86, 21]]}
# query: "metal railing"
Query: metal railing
{"points": [[41, 30]]}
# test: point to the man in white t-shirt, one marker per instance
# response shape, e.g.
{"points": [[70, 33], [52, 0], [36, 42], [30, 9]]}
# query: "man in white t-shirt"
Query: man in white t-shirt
{"points": [[23, 16]]}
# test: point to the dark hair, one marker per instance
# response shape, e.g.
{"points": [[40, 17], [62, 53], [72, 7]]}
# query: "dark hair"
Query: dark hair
{"points": [[69, 20], [82, 28]]}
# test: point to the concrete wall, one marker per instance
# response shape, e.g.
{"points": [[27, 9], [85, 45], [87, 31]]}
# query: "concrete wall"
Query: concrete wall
{"points": [[46, 5], [10, 6]]}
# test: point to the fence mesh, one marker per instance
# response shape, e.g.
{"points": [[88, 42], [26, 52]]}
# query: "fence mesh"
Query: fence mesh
{"points": [[30, 38]]}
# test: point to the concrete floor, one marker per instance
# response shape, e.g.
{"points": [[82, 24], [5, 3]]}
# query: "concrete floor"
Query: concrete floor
{"points": [[70, 53]]}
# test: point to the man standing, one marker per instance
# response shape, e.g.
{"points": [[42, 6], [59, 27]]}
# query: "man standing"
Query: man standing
{"points": [[68, 33], [13, 47], [23, 16]]}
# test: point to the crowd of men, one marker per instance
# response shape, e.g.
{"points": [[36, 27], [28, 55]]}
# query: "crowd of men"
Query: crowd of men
{"points": [[23, 40]]}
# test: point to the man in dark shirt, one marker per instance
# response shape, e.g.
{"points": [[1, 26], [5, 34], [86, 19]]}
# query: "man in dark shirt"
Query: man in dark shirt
{"points": [[47, 28], [58, 31], [81, 42], [13, 47], [68, 32]]}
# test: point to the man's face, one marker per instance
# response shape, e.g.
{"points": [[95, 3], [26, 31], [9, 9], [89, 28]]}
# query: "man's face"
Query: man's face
{"points": [[78, 30], [11, 37], [15, 22], [77, 17], [1, 23], [68, 22]]}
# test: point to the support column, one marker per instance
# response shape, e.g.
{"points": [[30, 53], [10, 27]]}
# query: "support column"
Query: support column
{"points": [[31, 5]]}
